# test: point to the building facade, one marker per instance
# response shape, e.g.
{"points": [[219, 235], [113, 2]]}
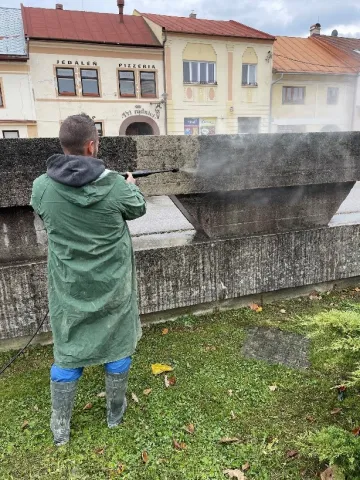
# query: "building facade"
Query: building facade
{"points": [[17, 111], [315, 86], [218, 75], [113, 72]]}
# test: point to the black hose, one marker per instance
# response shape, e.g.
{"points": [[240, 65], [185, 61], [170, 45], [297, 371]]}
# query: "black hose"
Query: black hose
{"points": [[24, 348]]}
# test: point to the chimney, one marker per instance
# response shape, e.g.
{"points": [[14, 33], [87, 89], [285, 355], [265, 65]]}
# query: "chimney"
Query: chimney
{"points": [[121, 4], [59, 6], [315, 29], [192, 14], [334, 33]]}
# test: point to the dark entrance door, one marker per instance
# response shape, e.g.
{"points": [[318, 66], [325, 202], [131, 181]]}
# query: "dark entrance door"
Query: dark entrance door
{"points": [[139, 128]]}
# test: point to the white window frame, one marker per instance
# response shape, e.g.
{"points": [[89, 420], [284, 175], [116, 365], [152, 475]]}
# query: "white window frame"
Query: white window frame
{"points": [[248, 75], [199, 62]]}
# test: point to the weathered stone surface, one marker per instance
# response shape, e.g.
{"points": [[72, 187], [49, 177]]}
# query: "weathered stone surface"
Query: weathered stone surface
{"points": [[201, 272], [277, 347], [264, 210], [207, 163]]}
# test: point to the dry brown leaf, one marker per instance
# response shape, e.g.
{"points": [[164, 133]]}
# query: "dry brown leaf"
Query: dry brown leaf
{"points": [[292, 453], [88, 406], [311, 419], [210, 347], [254, 306], [169, 381], [134, 397], [147, 391], [101, 395], [145, 456], [336, 411], [328, 474], [238, 474], [120, 468], [165, 331], [229, 440], [356, 431], [233, 416], [245, 467], [190, 428], [357, 289], [283, 311], [272, 388], [179, 446], [99, 451], [25, 425]]}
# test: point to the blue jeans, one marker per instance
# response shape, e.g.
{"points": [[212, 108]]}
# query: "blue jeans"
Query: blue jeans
{"points": [[58, 374]]}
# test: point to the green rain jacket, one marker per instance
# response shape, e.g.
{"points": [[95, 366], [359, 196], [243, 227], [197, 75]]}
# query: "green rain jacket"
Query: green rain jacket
{"points": [[92, 288]]}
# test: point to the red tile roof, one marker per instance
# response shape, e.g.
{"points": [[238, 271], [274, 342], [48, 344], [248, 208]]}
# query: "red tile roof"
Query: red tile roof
{"points": [[348, 45], [70, 25], [206, 27], [309, 55]]}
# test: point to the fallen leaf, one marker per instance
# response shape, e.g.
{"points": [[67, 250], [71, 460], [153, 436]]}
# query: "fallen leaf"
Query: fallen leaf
{"points": [[147, 391], [357, 289], [101, 395], [25, 425], [233, 416], [171, 381], [292, 453], [328, 474], [165, 331], [259, 310], [272, 388], [229, 440], [99, 451], [179, 446], [166, 381], [245, 467], [310, 419], [336, 411], [120, 468], [235, 474], [134, 397], [254, 307], [283, 310], [356, 431], [210, 347], [190, 428], [36, 408], [158, 368], [230, 392], [145, 456], [88, 406]]}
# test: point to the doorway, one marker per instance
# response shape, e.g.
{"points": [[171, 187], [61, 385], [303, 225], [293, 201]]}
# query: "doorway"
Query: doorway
{"points": [[139, 128]]}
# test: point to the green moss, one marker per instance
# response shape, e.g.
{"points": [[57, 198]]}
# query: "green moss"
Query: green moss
{"points": [[207, 360]]}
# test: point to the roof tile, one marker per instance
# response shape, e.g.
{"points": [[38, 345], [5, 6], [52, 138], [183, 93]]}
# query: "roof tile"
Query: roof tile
{"points": [[71, 25]]}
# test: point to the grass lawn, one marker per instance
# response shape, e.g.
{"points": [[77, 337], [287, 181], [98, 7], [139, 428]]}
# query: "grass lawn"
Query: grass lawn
{"points": [[217, 390]]}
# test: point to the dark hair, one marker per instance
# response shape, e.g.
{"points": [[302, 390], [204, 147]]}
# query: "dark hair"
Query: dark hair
{"points": [[76, 131]]}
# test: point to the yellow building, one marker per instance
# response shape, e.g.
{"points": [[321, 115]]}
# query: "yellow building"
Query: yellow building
{"points": [[314, 86], [218, 75], [111, 69]]}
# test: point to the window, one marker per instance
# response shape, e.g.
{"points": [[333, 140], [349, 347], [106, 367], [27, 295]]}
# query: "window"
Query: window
{"points": [[332, 95], [11, 134], [199, 126], [99, 128], [66, 81], [249, 124], [199, 72], [90, 82], [249, 74], [293, 95], [127, 83], [147, 84]]}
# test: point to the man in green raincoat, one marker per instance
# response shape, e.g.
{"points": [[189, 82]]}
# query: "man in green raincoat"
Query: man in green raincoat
{"points": [[91, 272]]}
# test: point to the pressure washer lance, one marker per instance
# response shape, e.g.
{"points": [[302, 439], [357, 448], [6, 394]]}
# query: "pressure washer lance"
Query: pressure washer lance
{"points": [[147, 173], [136, 174]]}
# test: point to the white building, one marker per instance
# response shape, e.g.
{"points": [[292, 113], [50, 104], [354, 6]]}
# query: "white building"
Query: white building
{"points": [[17, 111]]}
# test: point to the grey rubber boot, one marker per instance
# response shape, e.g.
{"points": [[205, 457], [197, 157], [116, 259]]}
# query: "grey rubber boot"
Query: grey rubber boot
{"points": [[62, 399], [116, 386]]}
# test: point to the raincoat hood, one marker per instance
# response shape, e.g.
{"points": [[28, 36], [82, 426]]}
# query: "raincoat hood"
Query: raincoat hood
{"points": [[82, 181]]}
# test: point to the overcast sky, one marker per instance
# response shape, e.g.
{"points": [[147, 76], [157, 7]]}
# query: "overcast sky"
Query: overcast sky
{"points": [[278, 17]]}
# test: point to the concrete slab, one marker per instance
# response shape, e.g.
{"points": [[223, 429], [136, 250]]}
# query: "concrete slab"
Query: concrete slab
{"points": [[349, 211], [162, 217]]}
